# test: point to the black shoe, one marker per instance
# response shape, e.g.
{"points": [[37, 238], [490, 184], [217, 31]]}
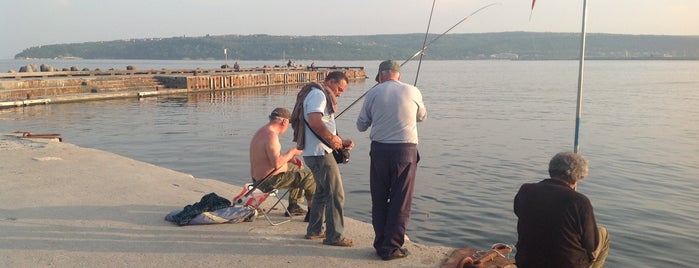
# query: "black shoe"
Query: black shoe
{"points": [[399, 253], [295, 210]]}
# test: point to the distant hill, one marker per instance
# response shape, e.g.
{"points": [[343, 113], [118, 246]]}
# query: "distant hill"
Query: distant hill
{"points": [[506, 45]]}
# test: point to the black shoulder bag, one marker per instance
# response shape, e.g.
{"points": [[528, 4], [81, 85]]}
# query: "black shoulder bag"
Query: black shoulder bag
{"points": [[342, 156]]}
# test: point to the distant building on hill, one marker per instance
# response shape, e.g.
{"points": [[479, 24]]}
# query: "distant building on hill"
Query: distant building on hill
{"points": [[504, 56]]}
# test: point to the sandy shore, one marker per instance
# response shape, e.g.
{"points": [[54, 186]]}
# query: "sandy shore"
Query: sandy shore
{"points": [[66, 206]]}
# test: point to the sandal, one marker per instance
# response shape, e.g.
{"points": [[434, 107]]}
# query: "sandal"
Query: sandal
{"points": [[344, 242], [314, 237]]}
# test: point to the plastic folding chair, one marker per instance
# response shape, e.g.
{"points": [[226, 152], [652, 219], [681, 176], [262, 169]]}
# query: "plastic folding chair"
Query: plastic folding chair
{"points": [[250, 195]]}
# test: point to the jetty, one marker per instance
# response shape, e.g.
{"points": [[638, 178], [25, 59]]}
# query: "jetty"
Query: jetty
{"points": [[49, 86], [67, 206]]}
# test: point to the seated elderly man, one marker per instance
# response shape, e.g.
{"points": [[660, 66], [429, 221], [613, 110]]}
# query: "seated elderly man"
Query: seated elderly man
{"points": [[556, 225], [280, 170]]}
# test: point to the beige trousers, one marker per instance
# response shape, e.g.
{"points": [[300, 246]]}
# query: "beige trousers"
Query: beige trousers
{"points": [[602, 249]]}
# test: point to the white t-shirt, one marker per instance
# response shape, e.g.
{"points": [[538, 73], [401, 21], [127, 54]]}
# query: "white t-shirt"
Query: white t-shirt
{"points": [[315, 102]]}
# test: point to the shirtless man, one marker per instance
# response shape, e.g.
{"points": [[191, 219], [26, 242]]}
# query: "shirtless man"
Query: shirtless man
{"points": [[280, 170]]}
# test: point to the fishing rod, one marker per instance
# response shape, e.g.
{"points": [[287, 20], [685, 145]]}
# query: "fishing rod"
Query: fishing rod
{"points": [[257, 184], [422, 50], [424, 42]]}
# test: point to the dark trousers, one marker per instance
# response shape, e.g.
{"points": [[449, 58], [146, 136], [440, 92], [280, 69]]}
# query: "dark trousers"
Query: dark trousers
{"points": [[392, 179]]}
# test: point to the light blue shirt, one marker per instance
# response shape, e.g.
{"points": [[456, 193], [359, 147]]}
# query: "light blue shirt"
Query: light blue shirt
{"points": [[392, 109], [316, 102]]}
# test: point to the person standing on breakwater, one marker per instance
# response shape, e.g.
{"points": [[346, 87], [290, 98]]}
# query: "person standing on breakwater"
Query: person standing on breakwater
{"points": [[556, 226], [285, 171], [392, 109], [313, 117]]}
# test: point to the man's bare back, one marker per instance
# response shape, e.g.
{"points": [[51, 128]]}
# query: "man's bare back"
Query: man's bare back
{"points": [[265, 150]]}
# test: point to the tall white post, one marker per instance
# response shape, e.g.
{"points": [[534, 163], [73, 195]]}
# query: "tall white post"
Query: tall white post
{"points": [[578, 113]]}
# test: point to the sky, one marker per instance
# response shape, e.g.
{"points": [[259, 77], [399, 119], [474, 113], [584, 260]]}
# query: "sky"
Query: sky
{"points": [[28, 23]]}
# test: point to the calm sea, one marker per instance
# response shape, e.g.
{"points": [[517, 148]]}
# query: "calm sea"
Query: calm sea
{"points": [[492, 125]]}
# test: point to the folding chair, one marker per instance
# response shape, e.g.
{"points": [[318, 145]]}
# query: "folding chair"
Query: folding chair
{"points": [[250, 195]]}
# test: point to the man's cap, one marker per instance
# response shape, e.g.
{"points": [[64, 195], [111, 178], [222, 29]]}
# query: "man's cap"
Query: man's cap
{"points": [[388, 65], [281, 113]]}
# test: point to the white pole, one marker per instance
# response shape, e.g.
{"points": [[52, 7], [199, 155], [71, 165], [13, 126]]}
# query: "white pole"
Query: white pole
{"points": [[578, 113]]}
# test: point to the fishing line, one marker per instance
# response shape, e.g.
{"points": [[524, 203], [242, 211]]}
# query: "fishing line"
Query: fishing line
{"points": [[424, 42], [420, 52]]}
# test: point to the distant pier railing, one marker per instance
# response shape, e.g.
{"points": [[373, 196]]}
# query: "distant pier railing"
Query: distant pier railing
{"points": [[29, 88], [196, 71]]}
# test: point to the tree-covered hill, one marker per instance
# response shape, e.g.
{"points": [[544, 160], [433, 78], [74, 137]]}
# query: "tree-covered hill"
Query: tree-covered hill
{"points": [[506, 45]]}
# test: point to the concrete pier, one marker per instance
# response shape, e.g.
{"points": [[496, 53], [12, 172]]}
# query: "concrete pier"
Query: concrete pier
{"points": [[31, 88], [66, 206]]}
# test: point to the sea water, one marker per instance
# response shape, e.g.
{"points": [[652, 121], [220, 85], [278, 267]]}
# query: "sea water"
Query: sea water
{"points": [[491, 126]]}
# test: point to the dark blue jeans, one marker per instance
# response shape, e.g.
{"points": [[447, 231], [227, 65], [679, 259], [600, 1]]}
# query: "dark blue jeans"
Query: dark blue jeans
{"points": [[392, 179]]}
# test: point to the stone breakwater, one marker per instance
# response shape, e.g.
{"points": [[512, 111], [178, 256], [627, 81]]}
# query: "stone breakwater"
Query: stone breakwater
{"points": [[49, 86]]}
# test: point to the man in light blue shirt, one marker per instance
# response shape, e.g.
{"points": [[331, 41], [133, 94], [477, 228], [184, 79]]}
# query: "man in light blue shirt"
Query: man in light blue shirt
{"points": [[314, 118], [392, 110]]}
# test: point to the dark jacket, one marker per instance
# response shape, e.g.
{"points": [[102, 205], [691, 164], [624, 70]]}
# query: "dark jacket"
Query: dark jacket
{"points": [[556, 226], [209, 202]]}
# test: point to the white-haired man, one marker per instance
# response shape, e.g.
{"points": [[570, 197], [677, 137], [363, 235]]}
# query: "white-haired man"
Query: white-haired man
{"points": [[556, 225]]}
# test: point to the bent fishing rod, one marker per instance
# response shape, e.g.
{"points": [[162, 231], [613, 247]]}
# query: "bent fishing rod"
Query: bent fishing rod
{"points": [[422, 50]]}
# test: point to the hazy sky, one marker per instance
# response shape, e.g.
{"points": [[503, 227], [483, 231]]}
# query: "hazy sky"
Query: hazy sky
{"points": [[27, 23]]}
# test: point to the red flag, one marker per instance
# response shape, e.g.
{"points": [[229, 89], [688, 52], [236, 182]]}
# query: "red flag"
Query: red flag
{"points": [[532, 11], [533, 2]]}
